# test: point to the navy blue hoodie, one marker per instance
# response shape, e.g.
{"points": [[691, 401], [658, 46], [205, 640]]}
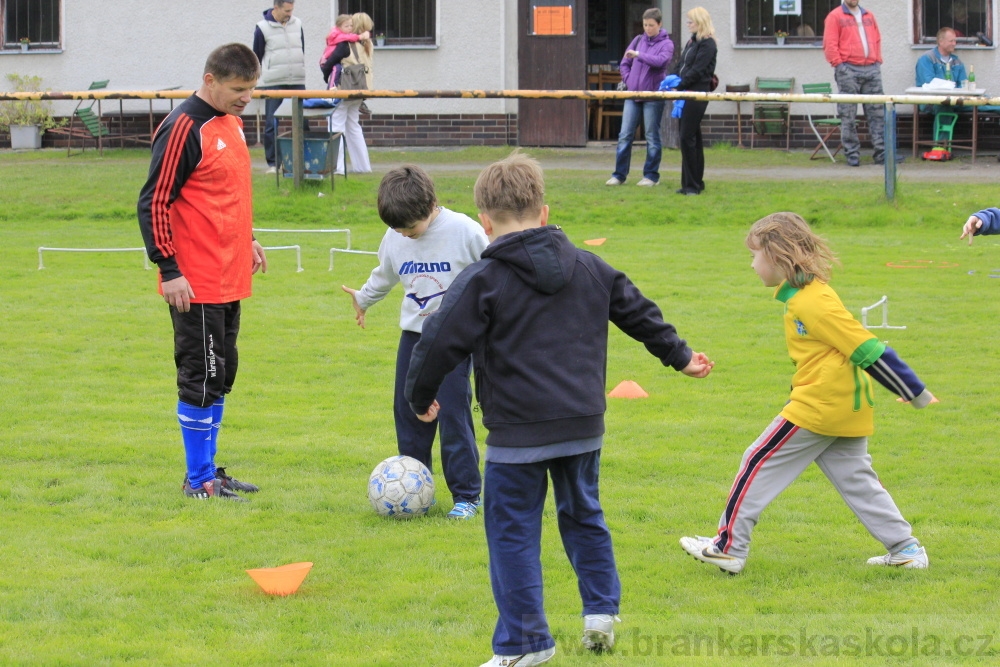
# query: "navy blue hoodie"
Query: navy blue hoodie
{"points": [[534, 314]]}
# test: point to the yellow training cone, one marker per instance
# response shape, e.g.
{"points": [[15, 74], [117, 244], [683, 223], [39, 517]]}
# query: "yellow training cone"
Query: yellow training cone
{"points": [[628, 389], [283, 580], [595, 241]]}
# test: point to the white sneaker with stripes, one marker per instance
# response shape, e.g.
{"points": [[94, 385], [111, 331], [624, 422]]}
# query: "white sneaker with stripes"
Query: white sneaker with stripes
{"points": [[912, 557], [704, 549]]}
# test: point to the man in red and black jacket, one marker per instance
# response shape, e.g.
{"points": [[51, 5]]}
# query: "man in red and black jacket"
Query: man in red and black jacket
{"points": [[196, 218]]}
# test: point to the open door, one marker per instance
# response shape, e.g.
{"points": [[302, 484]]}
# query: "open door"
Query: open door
{"points": [[551, 55]]}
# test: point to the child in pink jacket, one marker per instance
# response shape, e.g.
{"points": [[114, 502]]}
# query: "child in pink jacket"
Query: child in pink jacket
{"points": [[341, 33]]}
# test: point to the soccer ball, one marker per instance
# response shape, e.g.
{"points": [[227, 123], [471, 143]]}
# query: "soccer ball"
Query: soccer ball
{"points": [[401, 487]]}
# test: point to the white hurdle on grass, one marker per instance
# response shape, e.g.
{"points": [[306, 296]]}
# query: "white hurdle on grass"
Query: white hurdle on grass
{"points": [[351, 252], [311, 231], [884, 302], [41, 264], [298, 254]]}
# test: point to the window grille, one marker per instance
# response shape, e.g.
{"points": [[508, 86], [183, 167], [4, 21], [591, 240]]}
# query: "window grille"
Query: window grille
{"points": [[38, 21], [403, 22]]}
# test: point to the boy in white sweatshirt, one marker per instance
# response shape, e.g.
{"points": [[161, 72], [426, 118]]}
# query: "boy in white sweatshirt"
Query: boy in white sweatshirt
{"points": [[425, 248]]}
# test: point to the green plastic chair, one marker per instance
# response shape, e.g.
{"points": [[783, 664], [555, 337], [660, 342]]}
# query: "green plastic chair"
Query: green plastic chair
{"points": [[944, 127], [830, 125]]}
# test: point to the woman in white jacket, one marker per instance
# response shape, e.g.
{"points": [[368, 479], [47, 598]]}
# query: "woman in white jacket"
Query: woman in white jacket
{"points": [[345, 116]]}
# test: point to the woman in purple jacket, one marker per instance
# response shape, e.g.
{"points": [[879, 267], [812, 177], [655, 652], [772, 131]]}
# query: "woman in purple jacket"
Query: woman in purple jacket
{"points": [[643, 67]]}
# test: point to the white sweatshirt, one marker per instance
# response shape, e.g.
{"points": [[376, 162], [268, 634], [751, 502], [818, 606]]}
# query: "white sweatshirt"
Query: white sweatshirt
{"points": [[426, 266]]}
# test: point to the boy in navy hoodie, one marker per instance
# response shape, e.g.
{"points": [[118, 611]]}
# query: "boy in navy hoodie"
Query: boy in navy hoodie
{"points": [[534, 314], [984, 222]]}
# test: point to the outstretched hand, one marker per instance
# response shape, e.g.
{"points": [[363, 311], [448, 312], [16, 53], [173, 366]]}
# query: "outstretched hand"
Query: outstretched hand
{"points": [[972, 225], [699, 366], [359, 314], [933, 400], [431, 414]]}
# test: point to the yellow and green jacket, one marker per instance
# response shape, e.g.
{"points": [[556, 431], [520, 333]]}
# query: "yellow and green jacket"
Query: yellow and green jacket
{"points": [[835, 359]]}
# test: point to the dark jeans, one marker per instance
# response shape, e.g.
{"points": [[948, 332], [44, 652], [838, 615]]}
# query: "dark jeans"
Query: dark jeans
{"points": [[692, 147], [271, 124], [650, 111], [513, 504], [459, 454]]}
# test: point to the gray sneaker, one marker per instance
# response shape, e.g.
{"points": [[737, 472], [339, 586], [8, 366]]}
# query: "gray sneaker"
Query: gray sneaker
{"points": [[213, 489], [599, 632], [523, 660]]}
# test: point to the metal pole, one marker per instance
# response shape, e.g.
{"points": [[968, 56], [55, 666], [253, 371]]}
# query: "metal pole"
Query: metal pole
{"points": [[890, 151], [298, 143]]}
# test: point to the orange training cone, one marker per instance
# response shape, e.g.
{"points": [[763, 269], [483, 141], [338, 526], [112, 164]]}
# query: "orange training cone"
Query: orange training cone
{"points": [[595, 241], [283, 580], [628, 389]]}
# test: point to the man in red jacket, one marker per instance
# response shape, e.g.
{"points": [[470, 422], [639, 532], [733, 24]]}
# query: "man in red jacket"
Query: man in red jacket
{"points": [[196, 218], [853, 45]]}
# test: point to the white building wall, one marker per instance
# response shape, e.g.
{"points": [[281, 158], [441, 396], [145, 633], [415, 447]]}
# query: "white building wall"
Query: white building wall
{"points": [[150, 44], [742, 64]]}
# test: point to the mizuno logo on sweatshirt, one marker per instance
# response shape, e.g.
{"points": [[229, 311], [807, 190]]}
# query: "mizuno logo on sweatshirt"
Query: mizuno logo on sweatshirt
{"points": [[424, 267]]}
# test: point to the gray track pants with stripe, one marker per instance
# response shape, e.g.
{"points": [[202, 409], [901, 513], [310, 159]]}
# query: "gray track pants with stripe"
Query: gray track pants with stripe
{"points": [[779, 456]]}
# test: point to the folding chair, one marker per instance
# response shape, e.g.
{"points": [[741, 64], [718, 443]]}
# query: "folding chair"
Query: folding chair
{"points": [[831, 125], [92, 127], [772, 117]]}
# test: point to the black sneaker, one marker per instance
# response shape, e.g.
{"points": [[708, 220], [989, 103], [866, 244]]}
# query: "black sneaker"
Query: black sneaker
{"points": [[853, 161], [215, 489], [233, 484]]}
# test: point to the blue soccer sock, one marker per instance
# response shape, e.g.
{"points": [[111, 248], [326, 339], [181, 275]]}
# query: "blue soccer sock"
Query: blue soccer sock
{"points": [[196, 431], [217, 409]]}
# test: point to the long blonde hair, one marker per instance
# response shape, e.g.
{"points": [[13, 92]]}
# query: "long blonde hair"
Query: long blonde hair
{"points": [[703, 21], [363, 22], [792, 247]]}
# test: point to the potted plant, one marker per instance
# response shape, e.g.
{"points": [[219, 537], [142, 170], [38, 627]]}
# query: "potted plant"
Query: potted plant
{"points": [[25, 42], [26, 119], [380, 39], [780, 36]]}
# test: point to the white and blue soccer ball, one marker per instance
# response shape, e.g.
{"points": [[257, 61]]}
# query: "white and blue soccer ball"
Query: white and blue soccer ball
{"points": [[401, 487]]}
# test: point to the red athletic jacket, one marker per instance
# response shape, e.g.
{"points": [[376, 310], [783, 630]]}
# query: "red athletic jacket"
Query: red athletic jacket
{"points": [[842, 41], [196, 208]]}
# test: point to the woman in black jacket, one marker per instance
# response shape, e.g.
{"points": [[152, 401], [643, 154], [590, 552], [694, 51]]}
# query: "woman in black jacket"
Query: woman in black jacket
{"points": [[696, 68]]}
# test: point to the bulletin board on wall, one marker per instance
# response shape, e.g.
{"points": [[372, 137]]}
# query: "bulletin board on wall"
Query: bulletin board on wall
{"points": [[552, 17]]}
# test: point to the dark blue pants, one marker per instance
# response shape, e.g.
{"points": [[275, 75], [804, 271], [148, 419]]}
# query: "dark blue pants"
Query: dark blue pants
{"points": [[513, 503], [271, 123], [459, 454]]}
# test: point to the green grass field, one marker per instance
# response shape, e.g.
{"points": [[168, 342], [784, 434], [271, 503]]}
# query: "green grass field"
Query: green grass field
{"points": [[105, 562]]}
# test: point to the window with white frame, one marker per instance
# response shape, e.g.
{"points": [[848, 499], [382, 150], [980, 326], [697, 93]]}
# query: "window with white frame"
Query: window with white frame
{"points": [[968, 18], [35, 22], [402, 22], [801, 21]]}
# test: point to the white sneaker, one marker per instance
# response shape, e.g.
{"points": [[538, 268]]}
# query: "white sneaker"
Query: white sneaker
{"points": [[271, 170], [525, 660], [613, 181], [704, 549], [599, 631], [913, 556], [647, 183]]}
